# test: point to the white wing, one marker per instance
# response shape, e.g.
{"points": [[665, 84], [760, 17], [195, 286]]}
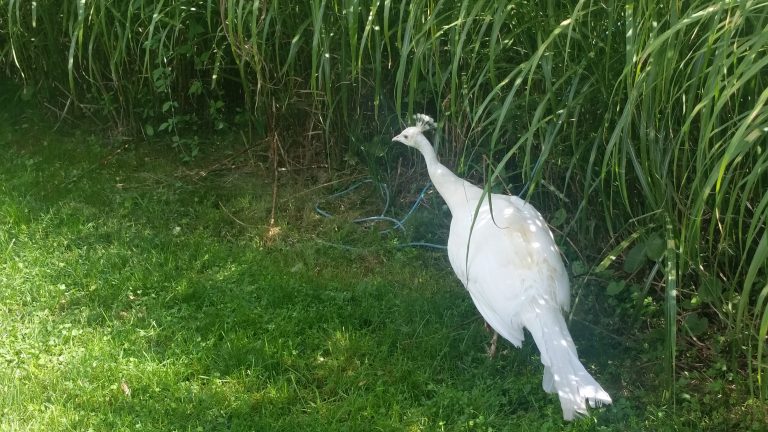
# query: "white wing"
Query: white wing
{"points": [[513, 263]]}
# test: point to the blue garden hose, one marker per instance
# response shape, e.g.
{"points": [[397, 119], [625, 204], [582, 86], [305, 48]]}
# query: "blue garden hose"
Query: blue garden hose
{"points": [[397, 223]]}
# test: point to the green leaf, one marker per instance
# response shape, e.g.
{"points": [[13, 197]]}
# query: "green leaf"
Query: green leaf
{"points": [[693, 304], [696, 324], [149, 130], [615, 287], [711, 291], [635, 258], [558, 218], [196, 88], [655, 247], [716, 386], [578, 268]]}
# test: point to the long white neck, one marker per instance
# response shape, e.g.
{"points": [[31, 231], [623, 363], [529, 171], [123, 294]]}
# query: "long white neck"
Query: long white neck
{"points": [[455, 191]]}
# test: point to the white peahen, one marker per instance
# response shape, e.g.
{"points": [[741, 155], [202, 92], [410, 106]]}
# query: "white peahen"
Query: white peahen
{"points": [[513, 272]]}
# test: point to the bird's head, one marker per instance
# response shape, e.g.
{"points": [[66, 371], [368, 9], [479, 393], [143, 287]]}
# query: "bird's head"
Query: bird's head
{"points": [[413, 136]]}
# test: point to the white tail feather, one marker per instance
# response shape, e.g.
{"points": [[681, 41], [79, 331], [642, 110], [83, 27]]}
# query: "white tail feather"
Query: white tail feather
{"points": [[563, 372]]}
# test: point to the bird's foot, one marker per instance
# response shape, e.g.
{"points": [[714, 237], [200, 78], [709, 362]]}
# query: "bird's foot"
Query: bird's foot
{"points": [[492, 347]]}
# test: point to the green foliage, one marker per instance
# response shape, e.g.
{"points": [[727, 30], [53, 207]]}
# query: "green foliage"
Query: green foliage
{"points": [[644, 121]]}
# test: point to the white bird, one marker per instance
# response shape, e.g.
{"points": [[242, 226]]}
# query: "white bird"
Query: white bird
{"points": [[505, 255]]}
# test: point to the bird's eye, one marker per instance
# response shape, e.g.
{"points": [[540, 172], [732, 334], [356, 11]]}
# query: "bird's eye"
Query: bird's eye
{"points": [[405, 136]]}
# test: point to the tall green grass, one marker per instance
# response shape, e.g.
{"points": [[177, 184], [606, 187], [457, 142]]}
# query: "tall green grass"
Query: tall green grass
{"points": [[645, 120]]}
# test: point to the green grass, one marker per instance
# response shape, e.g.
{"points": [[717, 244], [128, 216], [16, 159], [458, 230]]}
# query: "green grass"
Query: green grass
{"points": [[137, 294], [130, 277], [645, 123]]}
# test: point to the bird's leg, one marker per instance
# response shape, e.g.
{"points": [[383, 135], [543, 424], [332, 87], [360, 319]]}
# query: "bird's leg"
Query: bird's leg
{"points": [[492, 347]]}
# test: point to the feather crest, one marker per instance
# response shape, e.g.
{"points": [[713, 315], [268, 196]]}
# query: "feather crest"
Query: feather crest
{"points": [[424, 122]]}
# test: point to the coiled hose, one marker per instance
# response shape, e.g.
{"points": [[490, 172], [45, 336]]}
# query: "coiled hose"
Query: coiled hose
{"points": [[396, 223]]}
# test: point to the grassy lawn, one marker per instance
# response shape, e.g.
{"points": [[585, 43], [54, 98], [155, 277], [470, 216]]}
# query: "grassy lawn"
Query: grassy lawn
{"points": [[137, 295]]}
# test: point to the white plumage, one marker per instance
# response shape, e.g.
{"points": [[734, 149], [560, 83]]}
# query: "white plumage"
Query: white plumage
{"points": [[513, 272]]}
